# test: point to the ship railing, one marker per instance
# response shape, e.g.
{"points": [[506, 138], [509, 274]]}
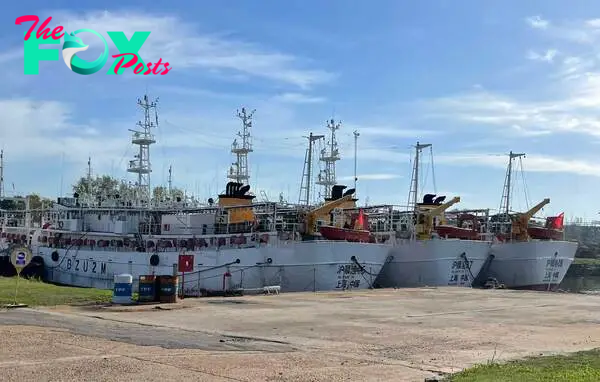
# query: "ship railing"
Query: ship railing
{"points": [[579, 222]]}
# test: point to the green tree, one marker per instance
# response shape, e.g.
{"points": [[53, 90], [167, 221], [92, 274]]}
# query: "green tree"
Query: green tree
{"points": [[162, 193], [107, 185], [100, 185], [37, 204], [8, 204]]}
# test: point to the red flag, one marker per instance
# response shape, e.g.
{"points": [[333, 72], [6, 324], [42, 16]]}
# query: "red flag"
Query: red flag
{"points": [[559, 221], [361, 219]]}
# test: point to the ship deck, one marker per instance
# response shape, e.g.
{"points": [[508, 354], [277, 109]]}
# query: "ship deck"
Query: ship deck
{"points": [[373, 335]]}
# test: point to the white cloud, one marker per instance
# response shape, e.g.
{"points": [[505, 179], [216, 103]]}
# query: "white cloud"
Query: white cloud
{"points": [[298, 98], [570, 110], [532, 162], [43, 130], [548, 55], [565, 102], [537, 22], [180, 43], [577, 31]]}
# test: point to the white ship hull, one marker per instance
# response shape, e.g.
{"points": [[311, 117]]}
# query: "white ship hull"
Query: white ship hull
{"points": [[326, 265], [537, 265], [440, 262], [294, 266]]}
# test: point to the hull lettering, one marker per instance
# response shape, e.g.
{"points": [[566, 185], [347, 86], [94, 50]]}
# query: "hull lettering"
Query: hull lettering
{"points": [[459, 273], [348, 277], [553, 270], [85, 266]]}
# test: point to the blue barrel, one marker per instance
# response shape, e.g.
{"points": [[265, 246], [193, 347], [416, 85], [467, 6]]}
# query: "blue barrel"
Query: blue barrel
{"points": [[122, 290], [168, 289], [147, 289]]}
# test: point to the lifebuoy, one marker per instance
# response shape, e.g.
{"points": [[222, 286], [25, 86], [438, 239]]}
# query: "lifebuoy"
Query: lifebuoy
{"points": [[54, 256], [60, 224], [154, 260]]}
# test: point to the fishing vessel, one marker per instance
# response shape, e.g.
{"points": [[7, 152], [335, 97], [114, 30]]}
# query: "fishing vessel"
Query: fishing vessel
{"points": [[524, 256], [232, 244], [424, 256]]}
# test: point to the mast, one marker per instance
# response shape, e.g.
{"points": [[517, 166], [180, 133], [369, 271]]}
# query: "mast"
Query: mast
{"points": [[89, 169], [505, 201], [170, 179], [144, 138], [239, 170], [327, 177], [414, 182], [1, 173], [356, 135], [307, 173]]}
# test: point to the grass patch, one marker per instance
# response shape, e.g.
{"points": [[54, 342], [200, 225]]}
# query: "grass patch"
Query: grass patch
{"points": [[38, 293], [586, 261], [577, 367]]}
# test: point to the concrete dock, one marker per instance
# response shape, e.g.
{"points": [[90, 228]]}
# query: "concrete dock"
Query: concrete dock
{"points": [[377, 335]]}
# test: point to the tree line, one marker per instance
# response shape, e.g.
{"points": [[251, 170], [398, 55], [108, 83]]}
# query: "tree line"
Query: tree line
{"points": [[100, 185], [107, 185]]}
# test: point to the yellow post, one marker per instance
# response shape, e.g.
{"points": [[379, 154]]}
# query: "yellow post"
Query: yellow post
{"points": [[17, 286]]}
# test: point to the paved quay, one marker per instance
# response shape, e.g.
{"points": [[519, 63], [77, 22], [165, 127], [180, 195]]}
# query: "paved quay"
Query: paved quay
{"points": [[375, 335]]}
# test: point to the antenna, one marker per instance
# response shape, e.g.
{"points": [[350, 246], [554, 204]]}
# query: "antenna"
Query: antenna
{"points": [[505, 201], [414, 182], [356, 135], [327, 177], [141, 164], [170, 179], [89, 169], [306, 182], [239, 169]]}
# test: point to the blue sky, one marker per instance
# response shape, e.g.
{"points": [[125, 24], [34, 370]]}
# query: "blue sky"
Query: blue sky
{"points": [[475, 79]]}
